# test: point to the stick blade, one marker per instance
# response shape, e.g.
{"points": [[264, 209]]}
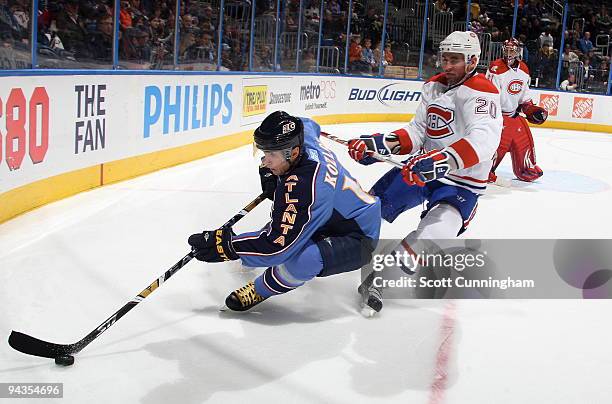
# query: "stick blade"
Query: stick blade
{"points": [[36, 347]]}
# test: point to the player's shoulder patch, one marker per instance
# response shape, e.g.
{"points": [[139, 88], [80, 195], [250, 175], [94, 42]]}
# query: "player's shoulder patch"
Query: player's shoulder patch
{"points": [[479, 83], [438, 78], [498, 67], [523, 67]]}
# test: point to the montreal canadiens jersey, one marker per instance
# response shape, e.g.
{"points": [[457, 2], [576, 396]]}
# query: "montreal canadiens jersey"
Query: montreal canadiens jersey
{"points": [[512, 83], [463, 120], [315, 199]]}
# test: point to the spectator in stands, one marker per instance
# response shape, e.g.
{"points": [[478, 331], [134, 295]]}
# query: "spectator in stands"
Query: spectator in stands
{"points": [[136, 9], [125, 15], [524, 51], [440, 5], [335, 8], [571, 38], [547, 51], [388, 54], [377, 57], [9, 27], [207, 26], [546, 39], [187, 22], [535, 29], [522, 26], [186, 42], [569, 84], [531, 8], [367, 55], [135, 47], [585, 44], [143, 47], [355, 49], [569, 56], [311, 14], [505, 34], [204, 51], [591, 22], [371, 24], [490, 25], [21, 17], [209, 15], [157, 28], [101, 40], [495, 34], [291, 21], [474, 11], [588, 69], [603, 72], [71, 30], [476, 27], [603, 18]]}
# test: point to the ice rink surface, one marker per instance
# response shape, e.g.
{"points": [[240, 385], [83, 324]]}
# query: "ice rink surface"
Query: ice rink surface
{"points": [[66, 267]]}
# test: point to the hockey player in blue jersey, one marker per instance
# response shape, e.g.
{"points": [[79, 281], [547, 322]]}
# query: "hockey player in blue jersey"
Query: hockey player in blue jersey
{"points": [[322, 222]]}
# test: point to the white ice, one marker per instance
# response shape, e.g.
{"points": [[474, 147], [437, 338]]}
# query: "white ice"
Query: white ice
{"points": [[67, 266]]}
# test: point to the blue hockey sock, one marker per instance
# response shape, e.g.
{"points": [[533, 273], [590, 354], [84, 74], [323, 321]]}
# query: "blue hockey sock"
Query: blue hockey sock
{"points": [[275, 281]]}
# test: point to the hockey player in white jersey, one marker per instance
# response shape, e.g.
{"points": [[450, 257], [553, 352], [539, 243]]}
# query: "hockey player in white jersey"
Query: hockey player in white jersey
{"points": [[451, 141], [511, 77]]}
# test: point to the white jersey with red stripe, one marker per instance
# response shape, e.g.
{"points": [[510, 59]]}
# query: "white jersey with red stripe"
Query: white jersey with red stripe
{"points": [[463, 120], [512, 84]]}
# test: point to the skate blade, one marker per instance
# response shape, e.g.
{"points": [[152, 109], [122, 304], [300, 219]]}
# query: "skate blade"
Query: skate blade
{"points": [[225, 309]]}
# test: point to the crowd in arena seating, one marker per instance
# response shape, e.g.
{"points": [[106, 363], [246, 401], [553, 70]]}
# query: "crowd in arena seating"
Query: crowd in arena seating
{"points": [[79, 33]]}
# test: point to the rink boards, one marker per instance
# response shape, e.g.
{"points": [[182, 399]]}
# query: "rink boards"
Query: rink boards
{"points": [[63, 133]]}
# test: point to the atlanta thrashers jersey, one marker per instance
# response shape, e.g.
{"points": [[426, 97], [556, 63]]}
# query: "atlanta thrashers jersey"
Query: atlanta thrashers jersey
{"points": [[463, 120], [512, 84], [317, 198]]}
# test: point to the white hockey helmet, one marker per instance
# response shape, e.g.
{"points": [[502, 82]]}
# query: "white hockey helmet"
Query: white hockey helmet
{"points": [[464, 42]]}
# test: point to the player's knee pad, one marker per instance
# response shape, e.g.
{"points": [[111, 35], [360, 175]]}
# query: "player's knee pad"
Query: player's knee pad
{"points": [[523, 154], [505, 141], [443, 221]]}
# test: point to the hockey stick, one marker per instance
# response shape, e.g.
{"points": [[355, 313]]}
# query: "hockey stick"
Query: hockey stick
{"points": [[386, 159], [34, 346]]}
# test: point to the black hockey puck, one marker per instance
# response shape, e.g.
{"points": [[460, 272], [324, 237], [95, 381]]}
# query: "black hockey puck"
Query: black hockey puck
{"points": [[64, 360]]}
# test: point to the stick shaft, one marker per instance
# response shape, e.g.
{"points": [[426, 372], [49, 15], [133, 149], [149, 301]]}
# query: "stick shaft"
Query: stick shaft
{"points": [[33, 346], [379, 157]]}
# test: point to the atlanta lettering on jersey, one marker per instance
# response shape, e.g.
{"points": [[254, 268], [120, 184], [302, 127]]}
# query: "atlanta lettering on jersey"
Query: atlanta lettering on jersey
{"points": [[290, 213]]}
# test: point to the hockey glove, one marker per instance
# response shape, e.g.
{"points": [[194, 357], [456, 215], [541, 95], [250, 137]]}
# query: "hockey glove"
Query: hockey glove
{"points": [[534, 114], [268, 181], [213, 245], [361, 149], [426, 167]]}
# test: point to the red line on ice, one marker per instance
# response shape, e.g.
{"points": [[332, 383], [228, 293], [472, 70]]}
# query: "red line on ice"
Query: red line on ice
{"points": [[447, 330]]}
